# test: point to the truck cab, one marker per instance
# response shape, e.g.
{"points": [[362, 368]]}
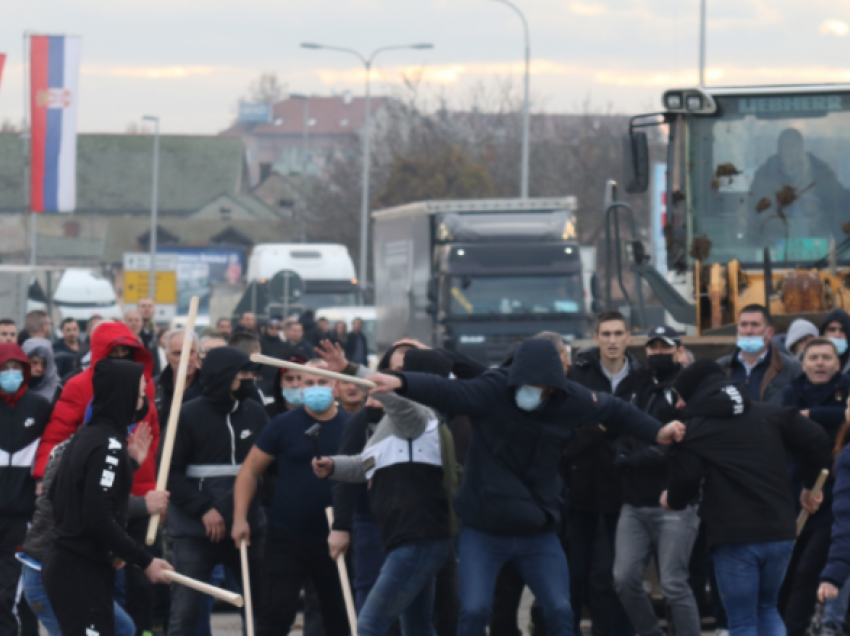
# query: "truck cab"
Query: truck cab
{"points": [[477, 276]]}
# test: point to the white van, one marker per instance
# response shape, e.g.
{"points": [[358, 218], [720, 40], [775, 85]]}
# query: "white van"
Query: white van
{"points": [[82, 294]]}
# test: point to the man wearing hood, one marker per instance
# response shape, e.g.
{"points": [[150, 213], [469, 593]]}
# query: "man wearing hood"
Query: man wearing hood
{"points": [[523, 417], [594, 480], [214, 435], [836, 327], [757, 365], [799, 333], [111, 340], [736, 455], [44, 379], [90, 495], [645, 529], [23, 416]]}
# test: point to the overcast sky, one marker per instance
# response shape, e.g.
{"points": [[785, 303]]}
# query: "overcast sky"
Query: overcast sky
{"points": [[189, 61]]}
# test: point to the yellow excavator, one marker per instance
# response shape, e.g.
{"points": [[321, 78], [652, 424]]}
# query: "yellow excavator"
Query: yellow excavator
{"points": [[757, 198]]}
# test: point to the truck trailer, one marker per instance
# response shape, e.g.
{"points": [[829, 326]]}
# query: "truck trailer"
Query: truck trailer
{"points": [[477, 275]]}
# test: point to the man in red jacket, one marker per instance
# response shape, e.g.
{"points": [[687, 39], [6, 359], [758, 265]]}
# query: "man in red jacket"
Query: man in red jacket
{"points": [[111, 340]]}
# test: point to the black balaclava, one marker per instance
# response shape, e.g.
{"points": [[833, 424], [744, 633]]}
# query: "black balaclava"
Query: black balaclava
{"points": [[220, 368], [116, 393]]}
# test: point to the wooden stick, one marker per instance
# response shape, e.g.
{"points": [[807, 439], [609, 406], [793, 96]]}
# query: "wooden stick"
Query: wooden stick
{"points": [[804, 514], [174, 415], [246, 588], [205, 588], [303, 368], [343, 578]]}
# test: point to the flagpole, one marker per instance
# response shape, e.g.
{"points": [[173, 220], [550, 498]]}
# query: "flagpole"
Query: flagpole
{"points": [[25, 135]]}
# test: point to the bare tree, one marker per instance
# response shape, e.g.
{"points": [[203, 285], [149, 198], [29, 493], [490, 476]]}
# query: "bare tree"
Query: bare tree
{"points": [[266, 89]]}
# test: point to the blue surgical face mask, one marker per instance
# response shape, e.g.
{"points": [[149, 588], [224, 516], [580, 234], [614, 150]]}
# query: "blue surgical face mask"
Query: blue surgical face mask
{"points": [[751, 344], [11, 380], [318, 398], [528, 397], [292, 395], [840, 345]]}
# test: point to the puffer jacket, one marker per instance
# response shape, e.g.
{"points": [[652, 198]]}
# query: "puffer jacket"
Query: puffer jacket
{"points": [[70, 411]]}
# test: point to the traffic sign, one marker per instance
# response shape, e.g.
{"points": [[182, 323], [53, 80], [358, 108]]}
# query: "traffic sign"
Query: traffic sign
{"points": [[137, 286]]}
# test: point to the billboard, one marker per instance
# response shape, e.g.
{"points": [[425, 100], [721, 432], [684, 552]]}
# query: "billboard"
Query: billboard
{"points": [[198, 268], [255, 113]]}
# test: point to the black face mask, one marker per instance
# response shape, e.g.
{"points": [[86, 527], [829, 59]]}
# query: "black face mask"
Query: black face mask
{"points": [[34, 382], [245, 390], [661, 363], [141, 413], [374, 414]]}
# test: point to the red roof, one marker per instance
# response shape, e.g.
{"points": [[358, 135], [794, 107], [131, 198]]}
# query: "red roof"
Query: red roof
{"points": [[329, 116]]}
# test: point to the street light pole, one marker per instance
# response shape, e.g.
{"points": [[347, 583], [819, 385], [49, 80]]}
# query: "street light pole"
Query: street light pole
{"points": [[525, 115], [302, 221], [367, 148], [154, 203], [702, 42]]}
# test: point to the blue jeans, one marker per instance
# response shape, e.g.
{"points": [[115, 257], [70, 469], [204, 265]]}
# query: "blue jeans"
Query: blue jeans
{"points": [[835, 609], [405, 588], [540, 560], [40, 605], [749, 576]]}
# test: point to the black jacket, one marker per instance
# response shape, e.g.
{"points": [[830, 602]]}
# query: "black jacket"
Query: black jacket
{"points": [[736, 451], [92, 485], [214, 435], [645, 467], [352, 499], [594, 479], [273, 347], [826, 404], [165, 395], [21, 427], [511, 484]]}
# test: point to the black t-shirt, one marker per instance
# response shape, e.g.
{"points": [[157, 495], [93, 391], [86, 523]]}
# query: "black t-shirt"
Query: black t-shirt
{"points": [[300, 498]]}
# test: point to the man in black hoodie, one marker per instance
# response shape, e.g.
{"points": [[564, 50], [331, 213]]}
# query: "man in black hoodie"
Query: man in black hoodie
{"points": [[594, 480], [214, 435], [836, 327], [90, 495], [523, 416], [645, 529], [735, 453]]}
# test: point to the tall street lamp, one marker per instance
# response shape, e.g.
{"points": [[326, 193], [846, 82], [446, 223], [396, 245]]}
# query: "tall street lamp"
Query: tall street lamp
{"points": [[524, 168], [367, 145], [154, 202]]}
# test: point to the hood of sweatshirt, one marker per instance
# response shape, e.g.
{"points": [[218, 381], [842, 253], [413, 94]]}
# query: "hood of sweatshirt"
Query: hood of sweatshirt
{"points": [[838, 315], [220, 368], [50, 380], [116, 393], [109, 335], [12, 351], [537, 362], [717, 397]]}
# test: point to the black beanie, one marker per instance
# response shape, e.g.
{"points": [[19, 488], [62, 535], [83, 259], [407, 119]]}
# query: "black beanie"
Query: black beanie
{"points": [[427, 361], [693, 376]]}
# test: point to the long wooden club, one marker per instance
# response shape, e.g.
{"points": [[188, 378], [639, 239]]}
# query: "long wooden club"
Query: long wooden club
{"points": [[303, 368], [246, 588], [343, 579], [206, 588], [818, 487], [174, 415]]}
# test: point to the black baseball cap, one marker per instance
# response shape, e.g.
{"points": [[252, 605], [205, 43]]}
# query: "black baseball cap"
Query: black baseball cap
{"points": [[665, 334]]}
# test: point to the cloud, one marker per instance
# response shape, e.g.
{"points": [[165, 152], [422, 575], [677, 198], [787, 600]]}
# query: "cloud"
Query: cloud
{"points": [[835, 27], [161, 72], [582, 8]]}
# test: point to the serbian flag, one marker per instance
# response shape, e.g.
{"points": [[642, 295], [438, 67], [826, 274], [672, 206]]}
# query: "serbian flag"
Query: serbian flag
{"points": [[2, 62], [54, 79]]}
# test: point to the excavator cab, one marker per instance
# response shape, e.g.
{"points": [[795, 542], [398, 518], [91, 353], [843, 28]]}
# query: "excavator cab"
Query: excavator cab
{"points": [[757, 203]]}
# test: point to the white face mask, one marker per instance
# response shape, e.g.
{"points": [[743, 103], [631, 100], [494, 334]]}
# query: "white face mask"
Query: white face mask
{"points": [[529, 397]]}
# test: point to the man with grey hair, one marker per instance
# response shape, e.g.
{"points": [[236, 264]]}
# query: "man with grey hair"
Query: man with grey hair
{"points": [[165, 386]]}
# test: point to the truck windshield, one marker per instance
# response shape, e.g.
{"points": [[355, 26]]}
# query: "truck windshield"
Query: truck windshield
{"points": [[329, 299], [769, 171], [515, 295]]}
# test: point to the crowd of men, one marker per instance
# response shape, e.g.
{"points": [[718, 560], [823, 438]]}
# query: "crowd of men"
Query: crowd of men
{"points": [[453, 486]]}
